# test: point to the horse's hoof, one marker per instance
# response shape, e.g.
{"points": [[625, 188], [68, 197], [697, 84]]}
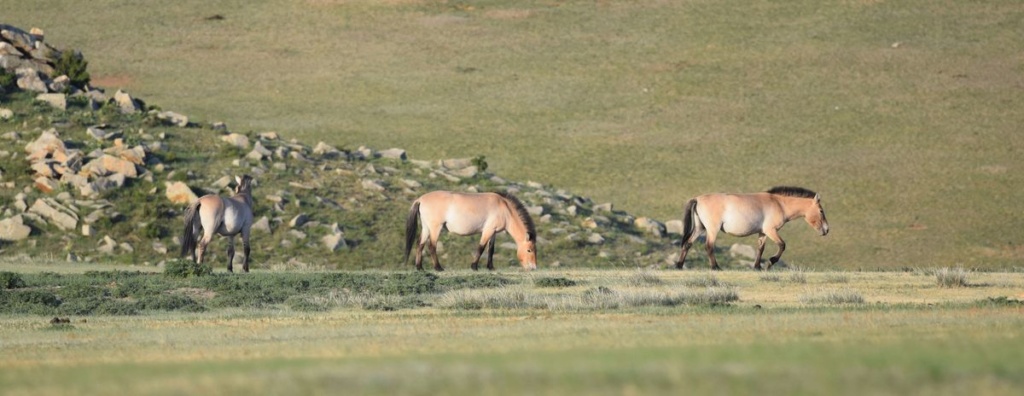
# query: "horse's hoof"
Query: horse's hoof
{"points": [[679, 266], [438, 269], [716, 268]]}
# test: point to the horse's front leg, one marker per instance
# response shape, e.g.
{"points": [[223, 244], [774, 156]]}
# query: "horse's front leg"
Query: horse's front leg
{"points": [[774, 235], [760, 250], [231, 253], [485, 238], [490, 254]]}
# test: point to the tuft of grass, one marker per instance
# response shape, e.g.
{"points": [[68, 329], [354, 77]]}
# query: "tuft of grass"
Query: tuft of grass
{"points": [[554, 282], [643, 277], [837, 278], [702, 280], [797, 275], [11, 280], [769, 277], [951, 277], [833, 297]]}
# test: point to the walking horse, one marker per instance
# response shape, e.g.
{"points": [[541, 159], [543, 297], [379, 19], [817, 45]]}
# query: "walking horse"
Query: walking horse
{"points": [[467, 214], [742, 215], [214, 214]]}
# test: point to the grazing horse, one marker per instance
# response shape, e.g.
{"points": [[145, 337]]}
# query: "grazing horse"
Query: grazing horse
{"points": [[761, 213], [226, 216], [465, 214]]}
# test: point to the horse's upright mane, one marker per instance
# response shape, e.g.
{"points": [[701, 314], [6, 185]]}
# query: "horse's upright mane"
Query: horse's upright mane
{"points": [[798, 192], [524, 215]]}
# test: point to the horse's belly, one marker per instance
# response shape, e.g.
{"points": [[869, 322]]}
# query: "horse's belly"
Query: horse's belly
{"points": [[463, 227], [741, 225]]}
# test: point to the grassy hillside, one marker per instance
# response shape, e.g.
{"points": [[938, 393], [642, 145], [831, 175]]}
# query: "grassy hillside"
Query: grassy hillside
{"points": [[903, 115]]}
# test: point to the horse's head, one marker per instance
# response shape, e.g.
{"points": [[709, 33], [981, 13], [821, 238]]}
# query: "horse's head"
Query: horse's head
{"points": [[815, 216], [244, 184], [527, 252]]}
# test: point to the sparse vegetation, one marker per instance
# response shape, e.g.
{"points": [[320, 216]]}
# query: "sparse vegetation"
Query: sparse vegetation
{"points": [[73, 65], [702, 280], [951, 277], [833, 297]]}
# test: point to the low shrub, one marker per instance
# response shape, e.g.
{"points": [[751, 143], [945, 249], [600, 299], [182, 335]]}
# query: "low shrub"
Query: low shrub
{"points": [[834, 297], [11, 280], [702, 280], [643, 278], [184, 268]]}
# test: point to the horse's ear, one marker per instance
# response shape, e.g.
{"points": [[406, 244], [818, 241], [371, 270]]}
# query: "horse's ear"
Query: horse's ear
{"points": [[817, 198], [238, 180]]}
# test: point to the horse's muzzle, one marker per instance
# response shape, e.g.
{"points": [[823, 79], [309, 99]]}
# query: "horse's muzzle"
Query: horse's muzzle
{"points": [[824, 230], [530, 266]]}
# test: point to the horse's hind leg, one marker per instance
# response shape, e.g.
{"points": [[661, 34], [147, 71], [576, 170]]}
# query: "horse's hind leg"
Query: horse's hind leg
{"points": [[245, 249], [433, 255], [231, 253], [709, 245], [760, 250], [201, 246]]}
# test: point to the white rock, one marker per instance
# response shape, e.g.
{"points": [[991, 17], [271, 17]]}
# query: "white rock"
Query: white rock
{"points": [[14, 229]]}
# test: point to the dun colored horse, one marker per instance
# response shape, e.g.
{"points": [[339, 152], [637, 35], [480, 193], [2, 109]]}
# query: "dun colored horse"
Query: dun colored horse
{"points": [[225, 216], [466, 214], [761, 213]]}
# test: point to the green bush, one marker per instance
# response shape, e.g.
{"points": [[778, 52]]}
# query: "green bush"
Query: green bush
{"points": [[73, 65], [11, 280], [306, 304], [7, 80], [184, 268], [170, 302]]}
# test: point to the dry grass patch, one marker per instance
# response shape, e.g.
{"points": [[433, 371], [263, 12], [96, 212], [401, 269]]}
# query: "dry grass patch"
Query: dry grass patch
{"points": [[833, 297], [951, 277]]}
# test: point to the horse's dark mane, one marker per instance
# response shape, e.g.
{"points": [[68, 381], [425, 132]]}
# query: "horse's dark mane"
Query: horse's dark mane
{"points": [[524, 215], [788, 191]]}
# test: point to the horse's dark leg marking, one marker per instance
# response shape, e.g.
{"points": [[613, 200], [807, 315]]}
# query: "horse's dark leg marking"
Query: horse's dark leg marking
{"points": [[682, 255], [245, 262], [760, 250], [490, 254], [777, 256], [476, 257], [419, 255], [231, 253], [433, 255], [709, 245]]}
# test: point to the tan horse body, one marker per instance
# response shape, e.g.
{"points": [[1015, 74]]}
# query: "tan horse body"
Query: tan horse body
{"points": [[761, 213], [466, 214], [214, 214]]}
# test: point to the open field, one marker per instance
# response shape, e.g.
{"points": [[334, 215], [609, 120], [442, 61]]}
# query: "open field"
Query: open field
{"points": [[907, 336], [904, 115]]}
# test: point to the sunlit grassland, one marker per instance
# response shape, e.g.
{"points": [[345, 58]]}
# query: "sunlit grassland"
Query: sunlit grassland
{"points": [[904, 115], [909, 336]]}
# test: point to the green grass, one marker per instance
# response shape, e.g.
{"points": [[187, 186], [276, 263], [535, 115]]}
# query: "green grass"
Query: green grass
{"points": [[474, 334], [879, 106]]}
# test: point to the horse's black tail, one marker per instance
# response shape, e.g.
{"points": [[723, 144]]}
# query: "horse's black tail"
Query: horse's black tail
{"points": [[189, 237], [411, 224], [688, 216]]}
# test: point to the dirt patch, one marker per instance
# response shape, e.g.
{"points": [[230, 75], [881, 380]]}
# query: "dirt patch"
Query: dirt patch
{"points": [[115, 81]]}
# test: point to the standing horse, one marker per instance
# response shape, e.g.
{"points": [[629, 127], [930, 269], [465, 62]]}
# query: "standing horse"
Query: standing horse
{"points": [[225, 216], [761, 213], [465, 214]]}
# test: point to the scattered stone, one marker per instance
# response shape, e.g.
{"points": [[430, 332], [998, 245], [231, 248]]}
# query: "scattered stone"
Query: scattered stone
{"points": [[650, 225], [325, 150], [107, 245], [739, 250], [46, 184], [126, 103], [674, 227], [237, 140], [605, 207], [9, 135], [298, 221], [14, 229], [595, 239], [535, 210], [296, 234], [456, 163], [589, 223], [126, 247], [223, 182], [56, 100], [465, 173], [263, 224], [269, 136], [395, 153], [47, 144], [173, 118], [180, 193], [61, 219], [60, 84], [333, 242], [373, 185], [86, 230], [159, 247], [29, 80], [411, 183]]}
